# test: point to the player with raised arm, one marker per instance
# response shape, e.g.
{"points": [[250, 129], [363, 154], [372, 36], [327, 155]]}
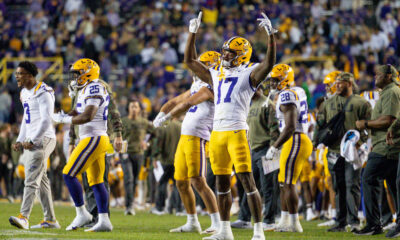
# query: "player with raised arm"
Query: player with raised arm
{"points": [[38, 139], [234, 82], [91, 116], [291, 111], [190, 158]]}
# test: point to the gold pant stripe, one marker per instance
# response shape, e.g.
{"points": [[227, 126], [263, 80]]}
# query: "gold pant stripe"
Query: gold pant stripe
{"points": [[290, 163], [83, 158]]}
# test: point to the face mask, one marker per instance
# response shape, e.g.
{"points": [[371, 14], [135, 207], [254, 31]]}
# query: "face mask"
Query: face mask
{"points": [[226, 63]]}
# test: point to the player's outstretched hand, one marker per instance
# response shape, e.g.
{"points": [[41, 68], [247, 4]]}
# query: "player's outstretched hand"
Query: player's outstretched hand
{"points": [[266, 24], [271, 153], [61, 117], [195, 23]]}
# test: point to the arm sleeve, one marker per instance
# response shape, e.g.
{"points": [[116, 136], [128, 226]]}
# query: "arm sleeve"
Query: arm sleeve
{"points": [[272, 123], [365, 114], [22, 131], [391, 105], [46, 108], [320, 122], [115, 116]]}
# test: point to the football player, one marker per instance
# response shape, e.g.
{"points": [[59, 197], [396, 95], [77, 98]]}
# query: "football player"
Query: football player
{"points": [[190, 158], [291, 111], [321, 152], [234, 82], [38, 139], [91, 116]]}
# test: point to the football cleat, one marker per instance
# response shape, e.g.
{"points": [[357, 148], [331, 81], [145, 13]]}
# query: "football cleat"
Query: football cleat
{"points": [[80, 221], [211, 230], [47, 224], [101, 226], [188, 227], [19, 222], [220, 236]]}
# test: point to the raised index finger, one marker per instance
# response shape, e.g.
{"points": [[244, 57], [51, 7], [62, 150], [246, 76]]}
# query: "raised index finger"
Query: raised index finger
{"points": [[199, 17], [264, 15]]}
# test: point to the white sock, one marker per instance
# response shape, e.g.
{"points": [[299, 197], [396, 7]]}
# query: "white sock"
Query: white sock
{"points": [[258, 227], [192, 218], [215, 219], [309, 211], [103, 217], [225, 227], [394, 216], [81, 210], [333, 213], [322, 212], [284, 216], [293, 218]]}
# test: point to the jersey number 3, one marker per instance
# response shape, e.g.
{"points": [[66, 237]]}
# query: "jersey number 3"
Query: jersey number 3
{"points": [[233, 81]]}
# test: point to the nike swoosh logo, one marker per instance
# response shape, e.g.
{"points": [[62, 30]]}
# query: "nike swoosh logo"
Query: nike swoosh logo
{"points": [[236, 131]]}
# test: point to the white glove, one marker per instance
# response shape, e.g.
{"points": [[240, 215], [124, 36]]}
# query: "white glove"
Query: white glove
{"points": [[266, 24], [159, 115], [71, 88], [271, 153], [195, 23], [158, 122], [61, 117]]}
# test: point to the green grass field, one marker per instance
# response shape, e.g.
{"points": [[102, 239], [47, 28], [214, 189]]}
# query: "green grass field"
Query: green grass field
{"points": [[142, 226]]}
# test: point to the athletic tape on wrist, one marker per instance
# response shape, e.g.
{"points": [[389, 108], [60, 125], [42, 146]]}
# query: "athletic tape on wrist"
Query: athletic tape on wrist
{"points": [[251, 193], [223, 193]]}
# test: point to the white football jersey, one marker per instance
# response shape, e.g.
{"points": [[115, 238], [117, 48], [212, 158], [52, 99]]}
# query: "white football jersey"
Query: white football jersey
{"points": [[232, 95], [37, 102], [198, 120], [297, 96], [371, 96], [96, 94]]}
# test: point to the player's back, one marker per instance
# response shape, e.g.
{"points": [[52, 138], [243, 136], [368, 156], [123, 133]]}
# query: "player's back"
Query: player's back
{"points": [[96, 94], [297, 96], [198, 120], [232, 95]]}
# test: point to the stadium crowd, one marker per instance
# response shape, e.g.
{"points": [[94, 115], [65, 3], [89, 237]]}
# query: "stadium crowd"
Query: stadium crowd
{"points": [[140, 46]]}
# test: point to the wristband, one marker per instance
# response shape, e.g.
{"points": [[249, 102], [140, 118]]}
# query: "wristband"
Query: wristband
{"points": [[366, 124]]}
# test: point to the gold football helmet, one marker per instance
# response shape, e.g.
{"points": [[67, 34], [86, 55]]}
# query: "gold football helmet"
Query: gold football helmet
{"points": [[330, 82], [285, 74], [210, 58], [84, 71], [241, 47]]}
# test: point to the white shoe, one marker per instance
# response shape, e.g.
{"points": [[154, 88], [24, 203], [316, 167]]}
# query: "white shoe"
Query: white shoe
{"points": [[282, 228], [297, 227], [258, 236], [80, 221], [241, 224], [211, 230], [157, 212], [180, 214], [101, 226], [188, 227], [269, 227], [311, 216], [47, 224], [19, 222], [130, 211], [327, 223], [220, 236], [390, 226]]}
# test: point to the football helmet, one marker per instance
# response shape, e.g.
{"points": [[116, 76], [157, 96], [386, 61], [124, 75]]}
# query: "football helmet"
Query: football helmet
{"points": [[241, 47], [84, 71], [210, 58], [285, 74], [330, 82]]}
